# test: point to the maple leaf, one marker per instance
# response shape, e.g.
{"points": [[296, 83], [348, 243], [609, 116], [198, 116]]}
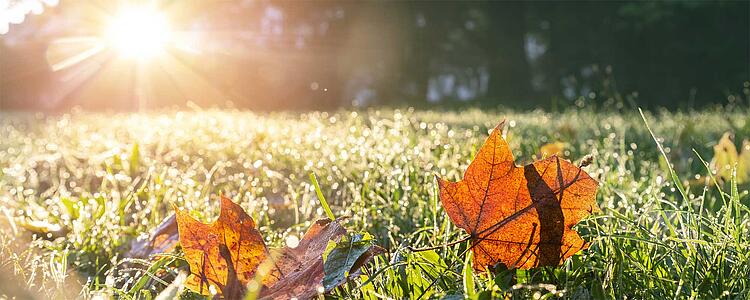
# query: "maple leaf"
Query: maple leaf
{"points": [[226, 255], [521, 216]]}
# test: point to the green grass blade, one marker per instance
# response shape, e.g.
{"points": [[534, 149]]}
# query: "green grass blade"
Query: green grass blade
{"points": [[321, 198], [468, 277]]}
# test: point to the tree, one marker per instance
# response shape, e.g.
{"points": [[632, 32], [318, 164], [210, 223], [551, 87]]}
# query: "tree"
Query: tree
{"points": [[504, 42]]}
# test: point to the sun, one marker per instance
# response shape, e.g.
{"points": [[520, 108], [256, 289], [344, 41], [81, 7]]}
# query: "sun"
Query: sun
{"points": [[139, 33]]}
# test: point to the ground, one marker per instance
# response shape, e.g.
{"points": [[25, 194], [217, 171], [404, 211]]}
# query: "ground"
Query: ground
{"points": [[76, 189]]}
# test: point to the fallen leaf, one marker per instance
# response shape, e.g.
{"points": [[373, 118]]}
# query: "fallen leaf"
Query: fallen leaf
{"points": [[300, 272], [162, 239], [44, 229], [344, 259], [174, 289], [550, 149], [743, 164], [226, 255], [726, 158], [521, 216]]}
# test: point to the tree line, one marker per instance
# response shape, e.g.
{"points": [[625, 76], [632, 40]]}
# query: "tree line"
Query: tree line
{"points": [[525, 54]]}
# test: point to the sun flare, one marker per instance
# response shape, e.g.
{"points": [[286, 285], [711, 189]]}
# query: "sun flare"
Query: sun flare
{"points": [[139, 33]]}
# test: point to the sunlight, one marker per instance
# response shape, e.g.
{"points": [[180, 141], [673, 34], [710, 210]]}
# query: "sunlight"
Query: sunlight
{"points": [[139, 33]]}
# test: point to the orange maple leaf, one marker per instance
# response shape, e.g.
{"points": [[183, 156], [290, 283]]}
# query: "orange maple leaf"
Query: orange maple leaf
{"points": [[224, 254], [521, 216]]}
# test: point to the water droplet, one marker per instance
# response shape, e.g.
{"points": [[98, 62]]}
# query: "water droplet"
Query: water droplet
{"points": [[292, 241]]}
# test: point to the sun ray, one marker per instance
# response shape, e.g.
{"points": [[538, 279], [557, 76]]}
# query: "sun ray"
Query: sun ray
{"points": [[130, 57]]}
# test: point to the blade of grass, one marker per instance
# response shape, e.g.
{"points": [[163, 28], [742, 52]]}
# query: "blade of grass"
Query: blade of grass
{"points": [[321, 198], [468, 277]]}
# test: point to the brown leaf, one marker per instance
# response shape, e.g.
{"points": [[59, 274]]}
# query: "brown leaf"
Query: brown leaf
{"points": [[521, 216], [228, 253], [298, 271], [161, 240]]}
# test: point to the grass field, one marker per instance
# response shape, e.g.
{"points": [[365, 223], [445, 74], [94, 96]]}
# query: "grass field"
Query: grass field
{"points": [[105, 179]]}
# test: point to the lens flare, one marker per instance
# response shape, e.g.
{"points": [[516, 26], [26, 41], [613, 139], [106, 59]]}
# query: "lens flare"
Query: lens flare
{"points": [[139, 33]]}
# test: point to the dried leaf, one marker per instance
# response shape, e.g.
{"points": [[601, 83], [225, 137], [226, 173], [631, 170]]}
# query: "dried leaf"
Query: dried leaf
{"points": [[174, 289], [743, 165], [298, 272], [226, 255], [163, 239], [550, 149], [725, 157], [44, 229], [521, 216]]}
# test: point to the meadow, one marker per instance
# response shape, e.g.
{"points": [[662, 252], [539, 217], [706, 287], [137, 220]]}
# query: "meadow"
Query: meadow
{"points": [[76, 189]]}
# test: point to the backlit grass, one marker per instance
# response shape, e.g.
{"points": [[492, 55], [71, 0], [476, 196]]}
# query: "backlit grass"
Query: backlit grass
{"points": [[105, 179]]}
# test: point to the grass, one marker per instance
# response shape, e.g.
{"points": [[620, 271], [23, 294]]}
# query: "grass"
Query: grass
{"points": [[105, 179]]}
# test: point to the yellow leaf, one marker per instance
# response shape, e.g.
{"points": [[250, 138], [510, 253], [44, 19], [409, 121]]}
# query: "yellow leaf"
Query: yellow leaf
{"points": [[725, 157], [743, 164], [550, 149]]}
